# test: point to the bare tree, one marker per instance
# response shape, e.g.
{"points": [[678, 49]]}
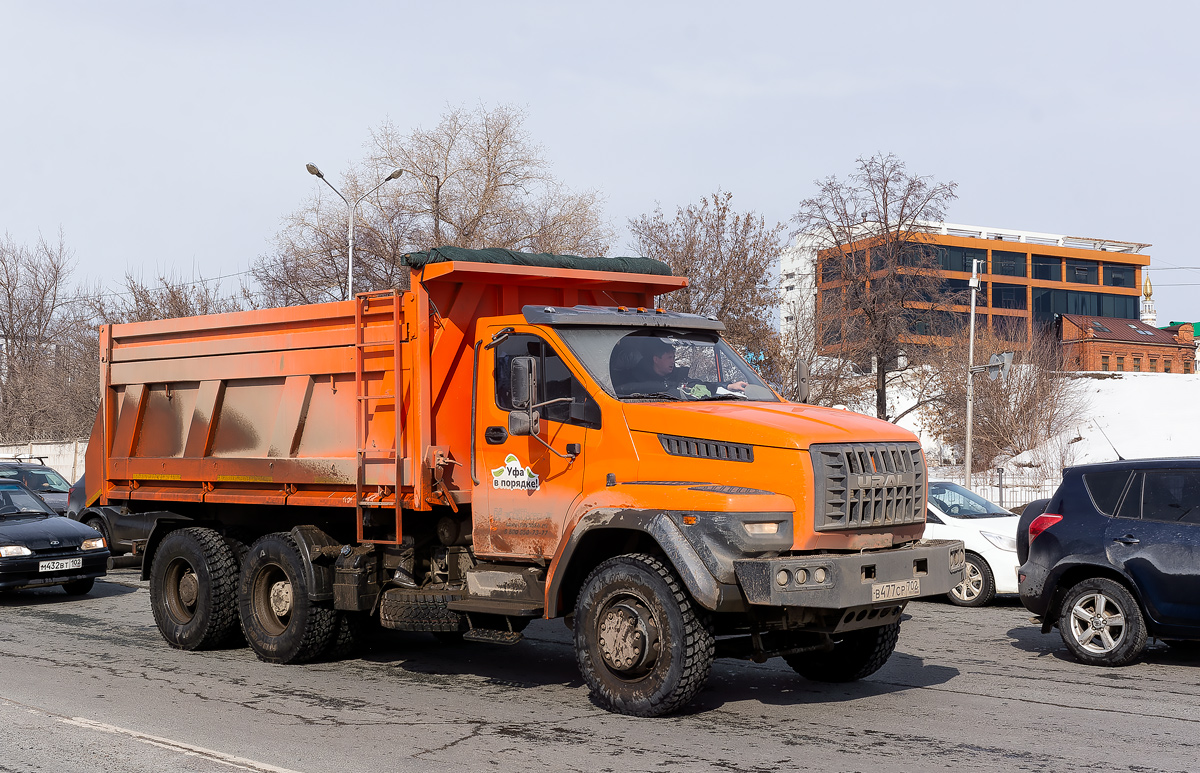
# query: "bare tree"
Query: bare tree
{"points": [[881, 278], [475, 180], [729, 260], [168, 297], [48, 375], [1033, 405]]}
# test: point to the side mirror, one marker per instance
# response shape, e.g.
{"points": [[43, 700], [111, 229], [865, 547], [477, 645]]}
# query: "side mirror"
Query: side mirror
{"points": [[524, 423], [802, 376], [523, 382]]}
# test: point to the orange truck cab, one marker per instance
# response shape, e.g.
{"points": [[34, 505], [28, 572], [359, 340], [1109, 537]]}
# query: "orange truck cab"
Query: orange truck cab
{"points": [[516, 437]]}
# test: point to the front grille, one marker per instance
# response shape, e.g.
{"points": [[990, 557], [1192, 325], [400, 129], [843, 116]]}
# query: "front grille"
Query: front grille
{"points": [[706, 449], [863, 485]]}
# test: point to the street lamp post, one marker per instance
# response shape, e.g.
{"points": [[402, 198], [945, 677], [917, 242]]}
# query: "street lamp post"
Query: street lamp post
{"points": [[313, 170], [971, 369]]}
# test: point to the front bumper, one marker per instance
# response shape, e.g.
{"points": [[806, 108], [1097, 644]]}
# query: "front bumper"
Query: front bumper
{"points": [[843, 581], [22, 572]]}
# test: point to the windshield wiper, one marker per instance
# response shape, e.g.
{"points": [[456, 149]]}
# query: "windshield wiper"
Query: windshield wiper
{"points": [[643, 395], [727, 396]]}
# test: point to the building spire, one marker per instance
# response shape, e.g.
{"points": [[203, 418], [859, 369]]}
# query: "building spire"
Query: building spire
{"points": [[1148, 314]]}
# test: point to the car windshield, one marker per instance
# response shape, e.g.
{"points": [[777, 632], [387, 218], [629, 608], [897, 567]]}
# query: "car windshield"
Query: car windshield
{"points": [[16, 499], [662, 364], [957, 502], [41, 479]]}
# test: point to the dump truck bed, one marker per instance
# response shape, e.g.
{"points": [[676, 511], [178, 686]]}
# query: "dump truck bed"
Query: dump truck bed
{"points": [[332, 404]]}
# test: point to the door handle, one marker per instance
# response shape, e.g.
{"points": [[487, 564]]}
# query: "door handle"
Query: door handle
{"points": [[495, 435], [1128, 539]]}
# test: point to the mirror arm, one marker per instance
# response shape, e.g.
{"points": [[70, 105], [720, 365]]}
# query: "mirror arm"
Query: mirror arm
{"points": [[553, 450], [552, 402]]}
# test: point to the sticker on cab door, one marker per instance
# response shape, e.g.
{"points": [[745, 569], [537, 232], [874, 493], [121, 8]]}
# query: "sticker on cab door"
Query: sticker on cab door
{"points": [[513, 477]]}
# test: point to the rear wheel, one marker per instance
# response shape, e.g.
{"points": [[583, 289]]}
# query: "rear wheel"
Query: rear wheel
{"points": [[193, 589], [978, 586], [280, 622], [79, 587], [1101, 623], [643, 647], [855, 655]]}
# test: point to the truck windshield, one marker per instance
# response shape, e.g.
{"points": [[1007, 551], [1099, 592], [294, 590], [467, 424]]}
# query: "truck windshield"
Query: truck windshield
{"points": [[664, 364]]}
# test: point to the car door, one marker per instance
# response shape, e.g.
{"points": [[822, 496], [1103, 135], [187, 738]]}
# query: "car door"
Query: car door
{"points": [[1155, 538], [527, 484]]}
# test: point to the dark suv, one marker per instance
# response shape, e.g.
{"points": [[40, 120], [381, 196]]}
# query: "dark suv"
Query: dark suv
{"points": [[44, 481], [1115, 558]]}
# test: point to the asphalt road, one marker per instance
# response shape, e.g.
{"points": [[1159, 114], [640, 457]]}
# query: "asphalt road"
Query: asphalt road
{"points": [[87, 685]]}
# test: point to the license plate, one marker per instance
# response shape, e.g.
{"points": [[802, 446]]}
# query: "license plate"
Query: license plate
{"points": [[886, 591], [60, 564]]}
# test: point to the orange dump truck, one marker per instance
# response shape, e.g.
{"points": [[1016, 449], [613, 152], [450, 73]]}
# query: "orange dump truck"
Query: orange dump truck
{"points": [[516, 437]]}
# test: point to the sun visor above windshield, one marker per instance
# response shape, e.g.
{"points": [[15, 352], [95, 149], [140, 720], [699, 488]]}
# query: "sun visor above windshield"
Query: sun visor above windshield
{"points": [[617, 315]]}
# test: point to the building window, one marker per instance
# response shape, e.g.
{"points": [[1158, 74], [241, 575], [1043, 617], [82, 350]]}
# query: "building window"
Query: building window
{"points": [[1153, 365], [1047, 267], [959, 291], [1187, 367], [1104, 362], [1137, 364], [1008, 263], [1008, 296], [1120, 363], [1082, 272], [1166, 366], [1118, 276]]}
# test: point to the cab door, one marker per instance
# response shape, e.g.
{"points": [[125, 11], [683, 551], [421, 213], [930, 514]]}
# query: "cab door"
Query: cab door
{"points": [[527, 483]]}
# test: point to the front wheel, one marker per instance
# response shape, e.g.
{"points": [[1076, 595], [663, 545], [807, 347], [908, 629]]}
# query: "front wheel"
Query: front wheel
{"points": [[79, 587], [281, 623], [1101, 623], [855, 655], [978, 586], [642, 646]]}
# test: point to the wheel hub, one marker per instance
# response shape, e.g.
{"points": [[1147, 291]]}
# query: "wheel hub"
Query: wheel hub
{"points": [[628, 637], [189, 589], [281, 598], [1099, 623]]}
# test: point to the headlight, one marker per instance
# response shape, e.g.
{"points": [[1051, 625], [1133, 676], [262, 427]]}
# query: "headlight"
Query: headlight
{"points": [[98, 542], [1000, 541], [12, 551]]}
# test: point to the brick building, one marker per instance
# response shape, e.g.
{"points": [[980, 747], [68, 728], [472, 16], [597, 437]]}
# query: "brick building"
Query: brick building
{"points": [[1105, 343]]}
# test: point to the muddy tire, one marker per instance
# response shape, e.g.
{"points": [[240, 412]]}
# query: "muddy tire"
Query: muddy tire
{"points": [[855, 655], [349, 636], [642, 645], [193, 589], [417, 610], [280, 622], [79, 587], [1101, 623]]}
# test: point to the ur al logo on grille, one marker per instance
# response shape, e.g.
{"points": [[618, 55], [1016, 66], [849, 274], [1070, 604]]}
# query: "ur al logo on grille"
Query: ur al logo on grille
{"points": [[54, 542], [882, 481]]}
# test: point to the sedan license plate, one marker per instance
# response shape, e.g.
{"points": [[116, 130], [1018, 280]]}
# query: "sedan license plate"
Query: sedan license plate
{"points": [[60, 565], [886, 591]]}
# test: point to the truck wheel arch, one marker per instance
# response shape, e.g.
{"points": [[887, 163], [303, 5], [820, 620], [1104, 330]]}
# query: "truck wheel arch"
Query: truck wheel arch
{"points": [[604, 533]]}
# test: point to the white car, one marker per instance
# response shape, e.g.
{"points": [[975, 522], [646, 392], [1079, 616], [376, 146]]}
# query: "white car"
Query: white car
{"points": [[989, 533]]}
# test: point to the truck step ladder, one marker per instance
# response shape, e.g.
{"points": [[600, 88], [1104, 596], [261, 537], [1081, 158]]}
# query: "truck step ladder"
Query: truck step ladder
{"points": [[377, 302]]}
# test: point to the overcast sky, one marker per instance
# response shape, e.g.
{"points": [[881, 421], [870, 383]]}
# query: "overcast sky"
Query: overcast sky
{"points": [[163, 135]]}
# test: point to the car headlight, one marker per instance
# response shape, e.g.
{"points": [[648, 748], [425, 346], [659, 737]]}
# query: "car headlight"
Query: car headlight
{"points": [[12, 551], [1000, 541], [98, 542]]}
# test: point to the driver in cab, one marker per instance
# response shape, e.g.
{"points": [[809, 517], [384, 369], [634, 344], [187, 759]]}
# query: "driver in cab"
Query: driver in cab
{"points": [[658, 374]]}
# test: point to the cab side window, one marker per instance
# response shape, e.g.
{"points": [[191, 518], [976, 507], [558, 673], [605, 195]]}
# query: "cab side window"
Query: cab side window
{"points": [[555, 381]]}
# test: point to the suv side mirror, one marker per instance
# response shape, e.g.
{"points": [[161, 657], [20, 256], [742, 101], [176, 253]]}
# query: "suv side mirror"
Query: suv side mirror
{"points": [[523, 382]]}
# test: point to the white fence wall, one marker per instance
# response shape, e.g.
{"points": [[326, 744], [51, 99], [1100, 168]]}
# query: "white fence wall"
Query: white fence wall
{"points": [[66, 456], [1010, 492]]}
